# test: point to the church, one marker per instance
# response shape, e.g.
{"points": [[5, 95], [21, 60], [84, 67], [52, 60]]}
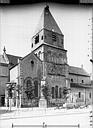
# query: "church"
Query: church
{"points": [[46, 65]]}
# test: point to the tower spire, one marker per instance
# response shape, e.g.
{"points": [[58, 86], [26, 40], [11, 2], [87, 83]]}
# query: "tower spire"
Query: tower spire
{"points": [[4, 49], [46, 3], [47, 22]]}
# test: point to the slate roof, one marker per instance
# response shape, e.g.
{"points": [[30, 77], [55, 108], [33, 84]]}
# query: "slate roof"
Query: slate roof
{"points": [[13, 60], [77, 71], [47, 22], [3, 59]]}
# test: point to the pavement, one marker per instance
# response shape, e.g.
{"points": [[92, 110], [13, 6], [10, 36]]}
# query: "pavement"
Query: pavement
{"points": [[5, 113], [51, 116]]}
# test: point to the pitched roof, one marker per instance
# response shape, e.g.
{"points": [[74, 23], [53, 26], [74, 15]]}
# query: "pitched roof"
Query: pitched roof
{"points": [[79, 85], [13, 60], [77, 71], [47, 22], [3, 59], [33, 55]]}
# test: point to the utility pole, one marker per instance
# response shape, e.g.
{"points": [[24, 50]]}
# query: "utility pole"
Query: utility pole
{"points": [[0, 27], [92, 58]]}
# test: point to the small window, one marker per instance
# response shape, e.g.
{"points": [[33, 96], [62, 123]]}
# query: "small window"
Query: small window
{"points": [[32, 63], [82, 81], [32, 45], [71, 80], [60, 92], [90, 95], [79, 94], [36, 54], [53, 36], [53, 92], [62, 42], [36, 39], [56, 91], [36, 88], [41, 37]]}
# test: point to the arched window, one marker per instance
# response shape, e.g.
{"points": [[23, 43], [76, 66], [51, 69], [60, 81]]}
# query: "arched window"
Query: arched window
{"points": [[53, 92], [56, 91], [90, 95], [32, 45], [29, 88], [53, 36], [36, 88], [37, 39], [71, 80], [79, 94], [28, 84], [82, 81], [41, 37], [60, 92]]}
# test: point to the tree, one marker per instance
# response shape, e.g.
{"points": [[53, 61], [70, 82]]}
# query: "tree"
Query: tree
{"points": [[10, 88], [18, 95], [65, 92]]}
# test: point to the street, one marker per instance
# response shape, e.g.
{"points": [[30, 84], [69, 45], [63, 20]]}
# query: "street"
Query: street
{"points": [[50, 116]]}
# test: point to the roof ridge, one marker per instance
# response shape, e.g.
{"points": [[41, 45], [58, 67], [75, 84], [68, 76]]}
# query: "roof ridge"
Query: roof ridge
{"points": [[78, 70], [14, 55]]}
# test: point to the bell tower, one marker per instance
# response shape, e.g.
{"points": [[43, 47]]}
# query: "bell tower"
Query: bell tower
{"points": [[47, 33], [48, 45]]}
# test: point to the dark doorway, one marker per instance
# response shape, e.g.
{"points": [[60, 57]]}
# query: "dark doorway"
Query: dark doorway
{"points": [[36, 88], [2, 100]]}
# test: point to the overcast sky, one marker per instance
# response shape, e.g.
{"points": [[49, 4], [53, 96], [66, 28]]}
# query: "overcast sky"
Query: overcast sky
{"points": [[18, 24]]}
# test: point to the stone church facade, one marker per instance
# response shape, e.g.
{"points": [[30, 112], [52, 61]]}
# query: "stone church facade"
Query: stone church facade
{"points": [[47, 62], [48, 59]]}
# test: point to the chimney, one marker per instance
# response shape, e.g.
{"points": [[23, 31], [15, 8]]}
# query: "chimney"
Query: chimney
{"points": [[82, 66]]}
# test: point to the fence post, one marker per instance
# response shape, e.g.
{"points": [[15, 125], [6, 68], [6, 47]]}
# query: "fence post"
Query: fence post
{"points": [[78, 125], [43, 124], [12, 125], [91, 118]]}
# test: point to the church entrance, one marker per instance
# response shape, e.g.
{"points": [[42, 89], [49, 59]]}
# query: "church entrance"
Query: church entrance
{"points": [[32, 92]]}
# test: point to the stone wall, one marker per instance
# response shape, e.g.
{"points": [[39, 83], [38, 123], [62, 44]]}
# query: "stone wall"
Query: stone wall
{"points": [[30, 69], [48, 38], [79, 79], [81, 95]]}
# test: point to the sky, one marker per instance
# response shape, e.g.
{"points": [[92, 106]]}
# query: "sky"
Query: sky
{"points": [[18, 24]]}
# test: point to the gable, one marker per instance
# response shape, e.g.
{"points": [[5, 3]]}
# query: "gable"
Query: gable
{"points": [[31, 66]]}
